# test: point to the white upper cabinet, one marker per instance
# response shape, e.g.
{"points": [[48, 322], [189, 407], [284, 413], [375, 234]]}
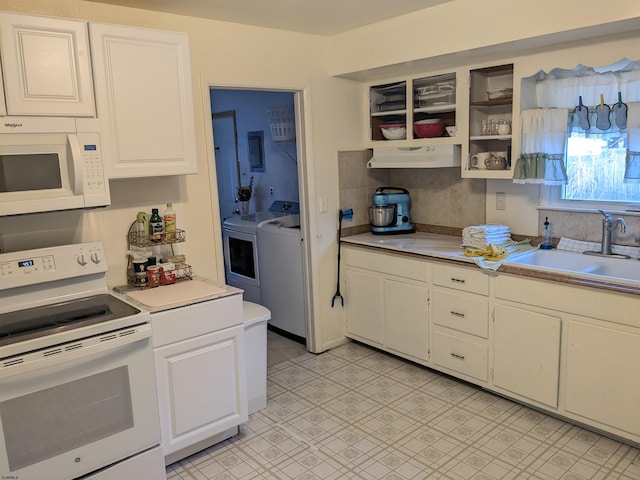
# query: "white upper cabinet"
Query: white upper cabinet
{"points": [[144, 100], [46, 66]]}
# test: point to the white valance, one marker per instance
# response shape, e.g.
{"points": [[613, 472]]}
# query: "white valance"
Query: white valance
{"points": [[562, 88]]}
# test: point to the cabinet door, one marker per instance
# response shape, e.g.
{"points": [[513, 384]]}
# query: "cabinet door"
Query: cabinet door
{"points": [[526, 353], [363, 306], [46, 63], [406, 320], [602, 375], [145, 104], [201, 387]]}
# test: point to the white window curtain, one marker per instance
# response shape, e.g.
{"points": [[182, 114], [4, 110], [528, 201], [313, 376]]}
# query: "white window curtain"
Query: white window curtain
{"points": [[543, 138], [542, 160], [632, 170]]}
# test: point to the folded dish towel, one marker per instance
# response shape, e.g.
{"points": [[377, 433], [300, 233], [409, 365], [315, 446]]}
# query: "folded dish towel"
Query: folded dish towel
{"points": [[493, 256], [481, 236]]}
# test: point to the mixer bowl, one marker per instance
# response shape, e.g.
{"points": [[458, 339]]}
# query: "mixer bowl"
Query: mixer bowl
{"points": [[382, 215]]}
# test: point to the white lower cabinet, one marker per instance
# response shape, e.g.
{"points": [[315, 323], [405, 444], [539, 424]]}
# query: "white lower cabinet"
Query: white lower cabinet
{"points": [[200, 374], [460, 321], [526, 353], [570, 350], [406, 328], [602, 379], [464, 356], [387, 302], [363, 304]]}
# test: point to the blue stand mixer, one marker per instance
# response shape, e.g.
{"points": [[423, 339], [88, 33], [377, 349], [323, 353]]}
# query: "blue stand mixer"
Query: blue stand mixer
{"points": [[389, 213]]}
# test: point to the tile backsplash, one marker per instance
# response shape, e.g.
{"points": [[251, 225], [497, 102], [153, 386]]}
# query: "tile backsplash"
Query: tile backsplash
{"points": [[438, 195]]}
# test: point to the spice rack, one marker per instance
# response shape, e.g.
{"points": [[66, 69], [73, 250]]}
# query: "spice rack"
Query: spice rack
{"points": [[183, 271]]}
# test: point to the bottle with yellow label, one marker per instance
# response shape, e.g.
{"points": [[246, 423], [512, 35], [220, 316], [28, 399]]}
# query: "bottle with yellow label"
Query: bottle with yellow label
{"points": [[170, 223]]}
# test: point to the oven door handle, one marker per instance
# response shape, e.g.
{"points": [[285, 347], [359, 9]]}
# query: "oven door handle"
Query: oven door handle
{"points": [[73, 351]]}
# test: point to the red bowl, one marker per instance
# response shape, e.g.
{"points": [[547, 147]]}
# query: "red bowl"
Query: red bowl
{"points": [[429, 130]]}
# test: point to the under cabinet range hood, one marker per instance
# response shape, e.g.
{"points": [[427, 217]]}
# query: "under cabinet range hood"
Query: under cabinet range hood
{"points": [[416, 157]]}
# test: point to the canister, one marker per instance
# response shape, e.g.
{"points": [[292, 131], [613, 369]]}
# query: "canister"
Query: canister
{"points": [[153, 274]]}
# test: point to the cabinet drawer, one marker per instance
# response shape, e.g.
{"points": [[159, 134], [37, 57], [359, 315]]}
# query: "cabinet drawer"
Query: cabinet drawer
{"points": [[387, 263], [460, 355], [467, 279], [461, 312], [196, 319]]}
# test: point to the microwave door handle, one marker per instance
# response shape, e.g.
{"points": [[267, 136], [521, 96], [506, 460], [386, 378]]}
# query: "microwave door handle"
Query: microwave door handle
{"points": [[76, 162]]}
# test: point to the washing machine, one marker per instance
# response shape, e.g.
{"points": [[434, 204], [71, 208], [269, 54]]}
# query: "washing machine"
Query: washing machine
{"points": [[282, 279], [240, 247]]}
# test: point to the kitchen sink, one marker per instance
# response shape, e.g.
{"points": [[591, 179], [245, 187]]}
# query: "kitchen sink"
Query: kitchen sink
{"points": [[613, 269]]}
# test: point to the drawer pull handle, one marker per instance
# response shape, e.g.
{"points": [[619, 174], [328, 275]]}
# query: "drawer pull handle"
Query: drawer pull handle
{"points": [[455, 355], [457, 314], [457, 280]]}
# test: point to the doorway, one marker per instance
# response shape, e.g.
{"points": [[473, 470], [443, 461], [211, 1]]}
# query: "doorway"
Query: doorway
{"points": [[249, 153]]}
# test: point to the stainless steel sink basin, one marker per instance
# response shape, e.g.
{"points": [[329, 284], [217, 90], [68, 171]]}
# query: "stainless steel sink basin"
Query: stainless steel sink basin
{"points": [[612, 269]]}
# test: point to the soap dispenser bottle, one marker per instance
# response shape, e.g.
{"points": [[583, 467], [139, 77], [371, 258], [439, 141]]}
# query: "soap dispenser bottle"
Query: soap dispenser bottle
{"points": [[546, 245]]}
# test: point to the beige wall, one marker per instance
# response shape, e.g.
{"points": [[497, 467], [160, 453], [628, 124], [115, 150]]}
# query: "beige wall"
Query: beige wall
{"points": [[459, 31]]}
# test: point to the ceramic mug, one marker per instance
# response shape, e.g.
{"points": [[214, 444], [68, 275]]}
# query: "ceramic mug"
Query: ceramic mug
{"points": [[478, 160]]}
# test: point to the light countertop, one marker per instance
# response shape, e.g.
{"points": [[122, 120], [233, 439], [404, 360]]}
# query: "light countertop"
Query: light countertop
{"points": [[447, 248]]}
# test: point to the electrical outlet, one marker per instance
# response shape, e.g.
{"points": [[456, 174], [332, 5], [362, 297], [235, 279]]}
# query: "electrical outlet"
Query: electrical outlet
{"points": [[271, 191], [501, 201]]}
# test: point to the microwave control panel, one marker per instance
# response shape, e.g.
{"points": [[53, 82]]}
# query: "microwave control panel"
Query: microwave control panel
{"points": [[94, 178]]}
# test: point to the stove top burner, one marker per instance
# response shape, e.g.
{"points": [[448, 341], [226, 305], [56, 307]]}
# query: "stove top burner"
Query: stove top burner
{"points": [[40, 321]]}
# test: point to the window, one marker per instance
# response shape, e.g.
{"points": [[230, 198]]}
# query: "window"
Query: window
{"points": [[595, 166]]}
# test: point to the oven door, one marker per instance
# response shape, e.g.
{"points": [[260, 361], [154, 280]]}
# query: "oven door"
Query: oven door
{"points": [[74, 408], [241, 258]]}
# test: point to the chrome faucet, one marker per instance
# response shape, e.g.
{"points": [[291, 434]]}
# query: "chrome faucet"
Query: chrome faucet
{"points": [[608, 226]]}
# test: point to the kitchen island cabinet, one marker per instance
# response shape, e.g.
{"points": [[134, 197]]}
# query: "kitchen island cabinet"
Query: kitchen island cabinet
{"points": [[46, 66], [144, 100], [200, 374]]}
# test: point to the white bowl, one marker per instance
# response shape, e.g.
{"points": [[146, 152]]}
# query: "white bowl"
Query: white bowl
{"points": [[394, 133]]}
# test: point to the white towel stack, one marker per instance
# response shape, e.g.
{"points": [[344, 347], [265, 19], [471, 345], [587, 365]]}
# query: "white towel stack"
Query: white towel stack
{"points": [[480, 236]]}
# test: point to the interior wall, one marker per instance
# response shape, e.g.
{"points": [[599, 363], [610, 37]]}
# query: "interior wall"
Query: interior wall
{"points": [[463, 27]]}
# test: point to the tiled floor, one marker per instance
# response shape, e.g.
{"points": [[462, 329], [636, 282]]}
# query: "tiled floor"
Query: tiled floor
{"points": [[280, 349], [356, 413]]}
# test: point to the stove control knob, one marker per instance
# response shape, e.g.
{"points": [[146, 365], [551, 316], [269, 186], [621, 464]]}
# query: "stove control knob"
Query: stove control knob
{"points": [[81, 260], [95, 257]]}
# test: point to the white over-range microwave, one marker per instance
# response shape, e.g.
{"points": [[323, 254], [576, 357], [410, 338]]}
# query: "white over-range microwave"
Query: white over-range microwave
{"points": [[47, 164]]}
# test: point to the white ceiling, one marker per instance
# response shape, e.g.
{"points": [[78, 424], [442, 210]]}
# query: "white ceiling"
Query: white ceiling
{"points": [[321, 17]]}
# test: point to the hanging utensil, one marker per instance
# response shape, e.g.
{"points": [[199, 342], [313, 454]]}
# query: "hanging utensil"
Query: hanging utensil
{"points": [[346, 214], [582, 113], [620, 113], [602, 115]]}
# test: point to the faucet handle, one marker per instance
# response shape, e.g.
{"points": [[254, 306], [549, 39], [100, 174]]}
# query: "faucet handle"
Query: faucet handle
{"points": [[607, 217]]}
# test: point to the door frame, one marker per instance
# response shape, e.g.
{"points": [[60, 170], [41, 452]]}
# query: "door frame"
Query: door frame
{"points": [[304, 187]]}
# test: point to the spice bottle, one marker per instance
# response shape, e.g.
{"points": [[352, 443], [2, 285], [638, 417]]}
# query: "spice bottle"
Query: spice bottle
{"points": [[170, 223], [156, 227]]}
